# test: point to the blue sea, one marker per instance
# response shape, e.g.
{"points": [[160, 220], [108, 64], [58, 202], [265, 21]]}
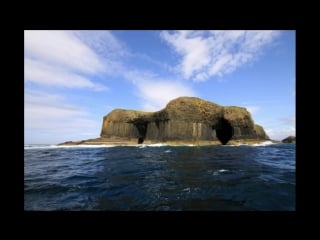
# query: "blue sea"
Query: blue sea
{"points": [[160, 178]]}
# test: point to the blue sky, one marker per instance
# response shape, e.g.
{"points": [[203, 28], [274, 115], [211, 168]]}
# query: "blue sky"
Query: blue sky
{"points": [[73, 78]]}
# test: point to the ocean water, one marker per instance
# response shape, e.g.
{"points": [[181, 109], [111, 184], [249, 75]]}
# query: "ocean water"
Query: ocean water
{"points": [[160, 178]]}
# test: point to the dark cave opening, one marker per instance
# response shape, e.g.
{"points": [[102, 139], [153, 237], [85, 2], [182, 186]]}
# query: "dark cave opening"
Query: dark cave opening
{"points": [[142, 129], [224, 131]]}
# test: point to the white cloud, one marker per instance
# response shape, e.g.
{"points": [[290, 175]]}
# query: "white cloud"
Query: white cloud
{"points": [[138, 77], [155, 92], [195, 51], [61, 48], [45, 74], [103, 43], [41, 107], [71, 59], [46, 113], [208, 54], [60, 58], [291, 120], [253, 109], [279, 134], [280, 128]]}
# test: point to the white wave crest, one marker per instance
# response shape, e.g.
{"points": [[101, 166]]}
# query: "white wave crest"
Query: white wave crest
{"points": [[265, 143], [64, 146], [141, 146], [157, 145], [217, 172], [151, 145]]}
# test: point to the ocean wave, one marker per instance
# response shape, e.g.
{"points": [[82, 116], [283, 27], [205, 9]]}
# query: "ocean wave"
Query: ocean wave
{"points": [[45, 146], [73, 146], [129, 178], [265, 143], [141, 146], [237, 145], [151, 145], [157, 145], [217, 172]]}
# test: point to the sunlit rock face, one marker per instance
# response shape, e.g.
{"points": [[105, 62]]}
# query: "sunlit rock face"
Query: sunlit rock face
{"points": [[183, 119]]}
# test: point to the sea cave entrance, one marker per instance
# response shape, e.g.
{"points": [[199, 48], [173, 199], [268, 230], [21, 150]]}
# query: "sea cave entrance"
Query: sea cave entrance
{"points": [[142, 129], [224, 131]]}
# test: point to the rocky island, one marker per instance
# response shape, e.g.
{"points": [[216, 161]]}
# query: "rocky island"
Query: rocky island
{"points": [[185, 120], [290, 139]]}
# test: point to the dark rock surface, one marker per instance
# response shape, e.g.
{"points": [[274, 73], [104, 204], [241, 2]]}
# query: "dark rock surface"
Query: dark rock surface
{"points": [[187, 119], [290, 139]]}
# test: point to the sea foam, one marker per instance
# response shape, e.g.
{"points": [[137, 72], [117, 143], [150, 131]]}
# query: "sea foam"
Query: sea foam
{"points": [[73, 146], [265, 143]]}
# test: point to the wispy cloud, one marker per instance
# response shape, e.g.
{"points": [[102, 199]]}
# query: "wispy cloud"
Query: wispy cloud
{"points": [[206, 54], [146, 58], [45, 106], [49, 113], [280, 128], [154, 92], [63, 59], [253, 109], [61, 48], [51, 75], [288, 120], [104, 43], [280, 134], [60, 58]]}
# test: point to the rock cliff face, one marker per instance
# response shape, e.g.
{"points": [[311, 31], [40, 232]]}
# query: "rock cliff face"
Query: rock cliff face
{"points": [[290, 139], [183, 119]]}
